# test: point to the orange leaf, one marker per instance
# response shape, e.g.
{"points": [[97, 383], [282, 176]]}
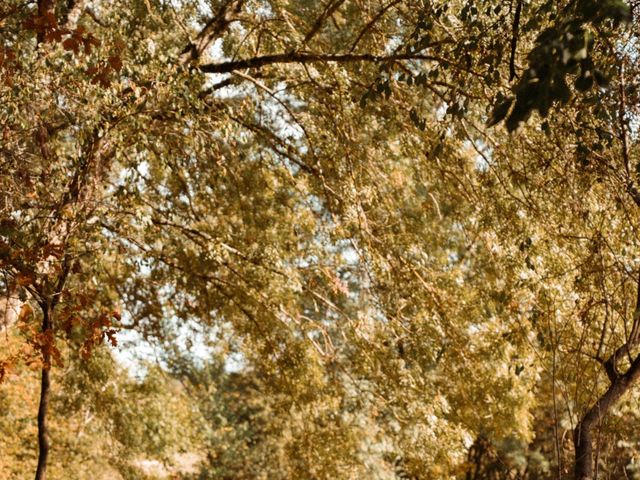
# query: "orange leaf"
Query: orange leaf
{"points": [[25, 312], [24, 279]]}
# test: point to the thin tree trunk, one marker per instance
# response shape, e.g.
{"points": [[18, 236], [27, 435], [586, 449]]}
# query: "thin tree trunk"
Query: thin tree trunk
{"points": [[583, 443], [582, 435], [43, 436]]}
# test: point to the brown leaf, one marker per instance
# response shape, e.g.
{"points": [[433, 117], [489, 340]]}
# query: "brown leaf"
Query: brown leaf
{"points": [[104, 80], [71, 44], [50, 19], [116, 62]]}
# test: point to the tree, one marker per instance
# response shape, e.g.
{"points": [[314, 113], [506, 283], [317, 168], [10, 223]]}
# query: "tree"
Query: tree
{"points": [[315, 187], [104, 424]]}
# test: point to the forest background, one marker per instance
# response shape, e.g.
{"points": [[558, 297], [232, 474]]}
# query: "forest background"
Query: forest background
{"points": [[353, 239]]}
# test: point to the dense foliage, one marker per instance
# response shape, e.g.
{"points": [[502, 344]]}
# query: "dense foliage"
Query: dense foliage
{"points": [[364, 239]]}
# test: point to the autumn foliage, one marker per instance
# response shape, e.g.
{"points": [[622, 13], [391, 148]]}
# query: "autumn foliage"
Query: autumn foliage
{"points": [[347, 239]]}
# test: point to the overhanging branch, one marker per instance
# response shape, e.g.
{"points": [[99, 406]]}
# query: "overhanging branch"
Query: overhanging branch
{"points": [[307, 57]]}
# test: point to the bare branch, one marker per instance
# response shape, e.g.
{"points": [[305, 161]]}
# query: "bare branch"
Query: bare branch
{"points": [[307, 57]]}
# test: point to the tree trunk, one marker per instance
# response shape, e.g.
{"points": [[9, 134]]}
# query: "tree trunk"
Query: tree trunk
{"points": [[43, 437], [584, 451], [582, 438]]}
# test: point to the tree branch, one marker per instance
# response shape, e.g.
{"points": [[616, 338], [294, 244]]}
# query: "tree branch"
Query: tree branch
{"points": [[611, 364], [307, 57], [373, 21], [213, 29], [331, 8], [514, 41]]}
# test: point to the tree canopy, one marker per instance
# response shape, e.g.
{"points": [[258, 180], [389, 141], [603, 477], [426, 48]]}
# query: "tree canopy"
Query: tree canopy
{"points": [[365, 239]]}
